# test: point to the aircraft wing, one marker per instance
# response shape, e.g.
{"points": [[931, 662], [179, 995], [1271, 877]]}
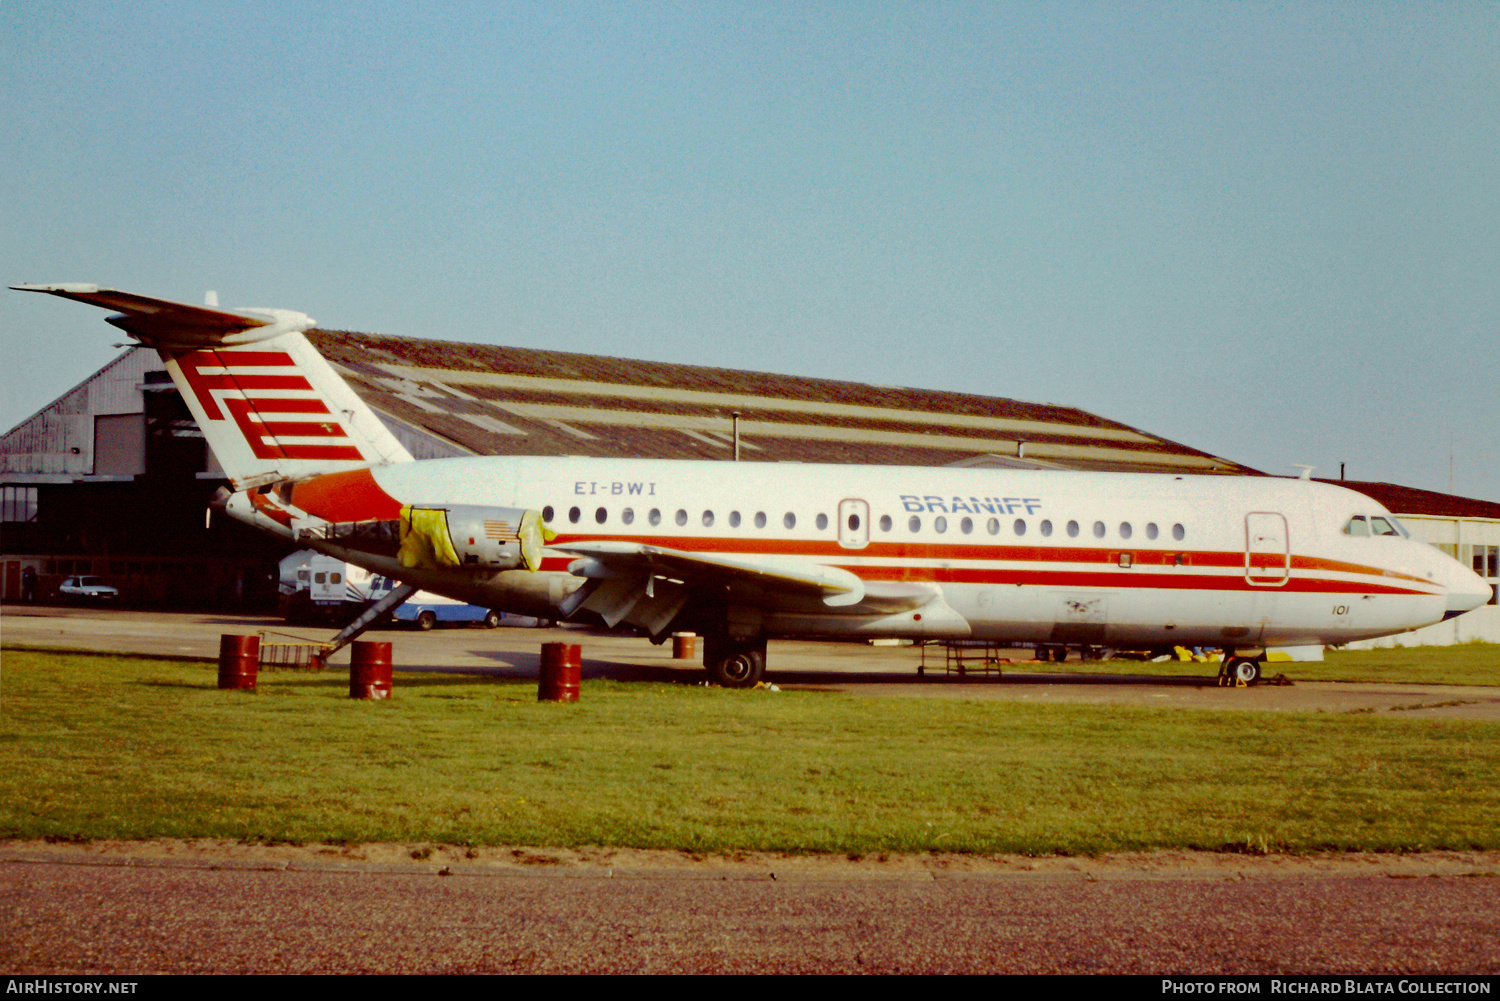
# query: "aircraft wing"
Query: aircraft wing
{"points": [[647, 585]]}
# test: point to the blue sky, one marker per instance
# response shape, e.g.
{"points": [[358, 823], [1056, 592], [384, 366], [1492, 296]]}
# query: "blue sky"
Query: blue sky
{"points": [[1267, 231]]}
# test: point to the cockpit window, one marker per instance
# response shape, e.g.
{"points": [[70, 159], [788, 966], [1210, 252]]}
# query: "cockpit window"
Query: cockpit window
{"points": [[1375, 524]]}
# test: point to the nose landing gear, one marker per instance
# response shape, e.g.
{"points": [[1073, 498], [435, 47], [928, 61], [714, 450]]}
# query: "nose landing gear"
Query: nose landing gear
{"points": [[1238, 672]]}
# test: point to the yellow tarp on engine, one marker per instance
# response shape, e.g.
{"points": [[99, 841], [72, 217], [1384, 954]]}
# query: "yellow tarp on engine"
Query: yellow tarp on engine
{"points": [[425, 541], [533, 536]]}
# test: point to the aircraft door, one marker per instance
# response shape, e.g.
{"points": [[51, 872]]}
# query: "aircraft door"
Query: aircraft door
{"points": [[854, 523], [1268, 557]]}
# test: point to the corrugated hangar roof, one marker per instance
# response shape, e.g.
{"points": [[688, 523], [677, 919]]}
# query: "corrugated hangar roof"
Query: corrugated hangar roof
{"points": [[491, 400], [1413, 500]]}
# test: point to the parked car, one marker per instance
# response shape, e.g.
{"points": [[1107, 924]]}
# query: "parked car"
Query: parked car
{"points": [[87, 589]]}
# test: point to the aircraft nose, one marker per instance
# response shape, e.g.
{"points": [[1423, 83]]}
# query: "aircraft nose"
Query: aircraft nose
{"points": [[1466, 592]]}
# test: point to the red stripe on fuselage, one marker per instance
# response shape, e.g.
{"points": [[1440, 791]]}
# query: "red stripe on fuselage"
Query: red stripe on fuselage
{"points": [[1048, 573]]}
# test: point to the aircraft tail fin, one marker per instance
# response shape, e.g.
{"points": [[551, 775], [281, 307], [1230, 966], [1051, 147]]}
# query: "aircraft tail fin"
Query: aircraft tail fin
{"points": [[271, 407]]}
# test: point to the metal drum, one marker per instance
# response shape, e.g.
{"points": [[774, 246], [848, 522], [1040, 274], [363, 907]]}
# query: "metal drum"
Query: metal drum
{"points": [[239, 660], [370, 670], [562, 664]]}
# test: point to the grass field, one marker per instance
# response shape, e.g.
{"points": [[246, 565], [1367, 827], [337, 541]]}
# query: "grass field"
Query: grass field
{"points": [[101, 747]]}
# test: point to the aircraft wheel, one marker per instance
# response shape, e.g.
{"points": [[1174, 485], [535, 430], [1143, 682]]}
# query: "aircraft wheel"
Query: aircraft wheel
{"points": [[426, 621], [738, 667], [491, 619], [1245, 669]]}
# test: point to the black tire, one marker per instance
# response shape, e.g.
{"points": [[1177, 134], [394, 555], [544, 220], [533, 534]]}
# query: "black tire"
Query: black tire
{"points": [[491, 619], [426, 620], [1244, 669], [737, 667]]}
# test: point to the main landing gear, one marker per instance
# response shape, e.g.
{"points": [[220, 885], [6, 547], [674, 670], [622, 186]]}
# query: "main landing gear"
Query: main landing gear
{"points": [[734, 663]]}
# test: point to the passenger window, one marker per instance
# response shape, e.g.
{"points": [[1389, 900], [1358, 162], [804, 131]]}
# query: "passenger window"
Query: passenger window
{"points": [[1125, 530], [760, 519], [1178, 532], [601, 516], [708, 519], [914, 524], [790, 521], [992, 526], [1098, 529], [1046, 527], [655, 516], [681, 516], [967, 526], [628, 515], [940, 524], [885, 523], [1151, 530], [547, 513], [854, 523], [1020, 526], [1072, 529], [574, 514], [822, 521], [734, 519]]}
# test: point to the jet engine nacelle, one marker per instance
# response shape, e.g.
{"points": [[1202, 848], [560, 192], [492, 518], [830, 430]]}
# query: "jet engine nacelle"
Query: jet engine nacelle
{"points": [[468, 535]]}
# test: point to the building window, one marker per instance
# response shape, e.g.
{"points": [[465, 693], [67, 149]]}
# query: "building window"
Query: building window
{"points": [[18, 503]]}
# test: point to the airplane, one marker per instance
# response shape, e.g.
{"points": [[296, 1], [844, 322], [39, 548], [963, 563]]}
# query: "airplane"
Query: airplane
{"points": [[741, 552]]}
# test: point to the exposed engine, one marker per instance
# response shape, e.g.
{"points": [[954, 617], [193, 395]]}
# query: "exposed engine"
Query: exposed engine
{"points": [[490, 538]]}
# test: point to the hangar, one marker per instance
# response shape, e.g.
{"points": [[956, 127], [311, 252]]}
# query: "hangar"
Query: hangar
{"points": [[113, 477]]}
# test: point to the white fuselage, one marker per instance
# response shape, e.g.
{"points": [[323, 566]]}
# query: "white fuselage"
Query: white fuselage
{"points": [[1045, 556]]}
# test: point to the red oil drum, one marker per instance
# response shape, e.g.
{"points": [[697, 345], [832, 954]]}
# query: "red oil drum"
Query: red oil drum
{"points": [[239, 660], [684, 646], [562, 664], [370, 670]]}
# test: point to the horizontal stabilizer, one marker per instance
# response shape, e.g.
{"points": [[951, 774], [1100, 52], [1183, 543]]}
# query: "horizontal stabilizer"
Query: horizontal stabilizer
{"points": [[162, 323]]}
